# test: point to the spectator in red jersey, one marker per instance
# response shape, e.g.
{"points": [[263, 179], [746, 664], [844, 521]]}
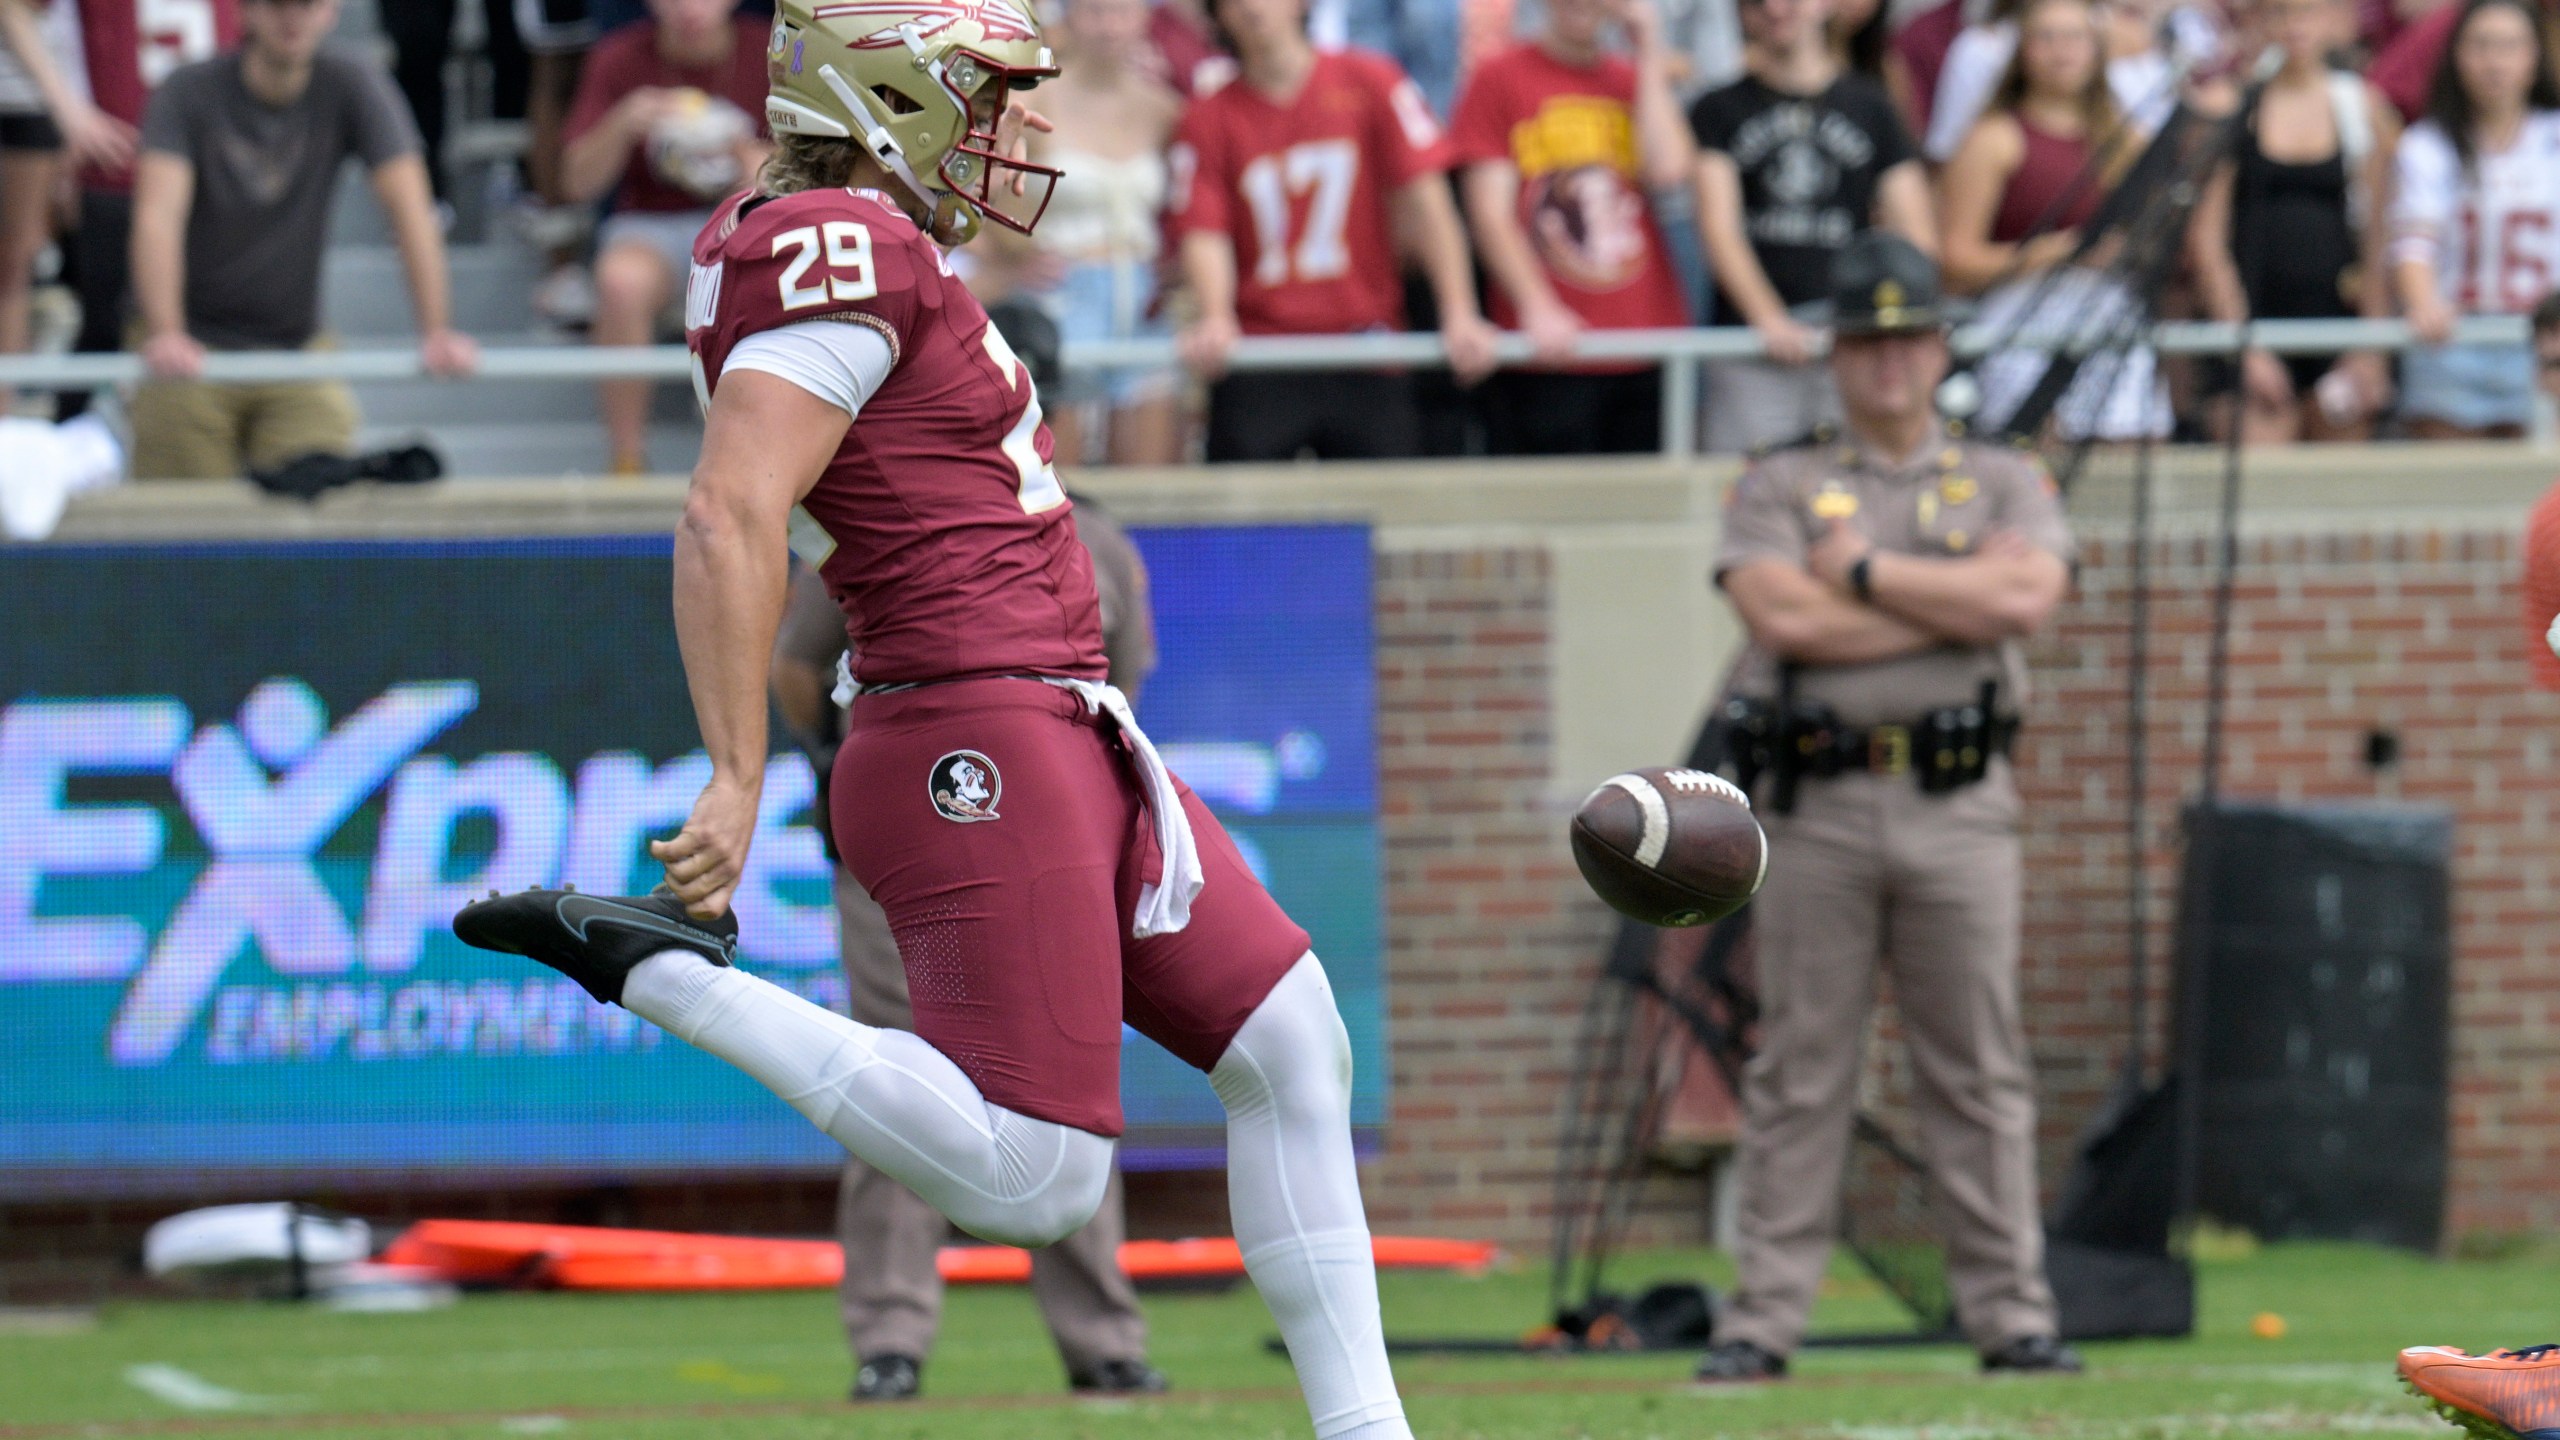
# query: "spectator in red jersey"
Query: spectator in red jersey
{"points": [[2542, 527], [1561, 144], [667, 121], [1290, 185], [124, 59]]}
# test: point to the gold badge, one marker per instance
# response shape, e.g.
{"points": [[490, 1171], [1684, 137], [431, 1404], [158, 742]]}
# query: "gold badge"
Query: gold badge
{"points": [[1957, 489], [1888, 295], [1928, 509], [1958, 541], [1834, 503]]}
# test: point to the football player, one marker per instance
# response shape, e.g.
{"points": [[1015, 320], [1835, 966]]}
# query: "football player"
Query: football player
{"points": [[2512, 1394], [1045, 876]]}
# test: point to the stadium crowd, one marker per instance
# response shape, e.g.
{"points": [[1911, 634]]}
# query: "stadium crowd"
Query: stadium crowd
{"points": [[1238, 168]]}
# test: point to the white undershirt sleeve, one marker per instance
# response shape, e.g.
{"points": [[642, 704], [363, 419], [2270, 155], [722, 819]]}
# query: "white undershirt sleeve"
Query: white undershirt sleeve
{"points": [[840, 362]]}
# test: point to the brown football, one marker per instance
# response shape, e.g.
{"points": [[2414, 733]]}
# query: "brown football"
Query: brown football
{"points": [[1670, 847]]}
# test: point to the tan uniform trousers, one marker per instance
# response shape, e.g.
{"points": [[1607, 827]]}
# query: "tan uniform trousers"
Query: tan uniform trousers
{"points": [[1869, 874], [892, 1293]]}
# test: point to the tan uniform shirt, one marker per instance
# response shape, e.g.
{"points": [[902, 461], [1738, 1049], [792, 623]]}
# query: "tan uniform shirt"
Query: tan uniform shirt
{"points": [[1940, 503]]}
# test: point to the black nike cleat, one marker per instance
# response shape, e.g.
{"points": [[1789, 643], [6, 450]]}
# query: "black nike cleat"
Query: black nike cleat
{"points": [[593, 939]]}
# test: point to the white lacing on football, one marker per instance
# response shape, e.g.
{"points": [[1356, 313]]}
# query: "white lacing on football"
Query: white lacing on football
{"points": [[1655, 837], [1700, 782]]}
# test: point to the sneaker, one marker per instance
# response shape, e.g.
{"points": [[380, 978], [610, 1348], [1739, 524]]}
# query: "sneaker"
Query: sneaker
{"points": [[887, 1377], [2032, 1355], [593, 939], [1119, 1377], [1739, 1362], [2503, 1395]]}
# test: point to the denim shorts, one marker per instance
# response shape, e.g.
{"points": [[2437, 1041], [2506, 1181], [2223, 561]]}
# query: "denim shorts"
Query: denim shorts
{"points": [[669, 234], [2471, 386], [1108, 300]]}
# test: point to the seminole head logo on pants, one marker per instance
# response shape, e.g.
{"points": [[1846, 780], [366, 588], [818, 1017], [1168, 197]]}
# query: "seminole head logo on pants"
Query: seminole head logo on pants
{"points": [[964, 786]]}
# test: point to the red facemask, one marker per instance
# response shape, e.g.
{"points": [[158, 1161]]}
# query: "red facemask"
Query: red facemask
{"points": [[972, 168]]}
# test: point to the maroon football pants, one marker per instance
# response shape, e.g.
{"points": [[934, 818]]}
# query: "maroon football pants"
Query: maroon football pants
{"points": [[1001, 827]]}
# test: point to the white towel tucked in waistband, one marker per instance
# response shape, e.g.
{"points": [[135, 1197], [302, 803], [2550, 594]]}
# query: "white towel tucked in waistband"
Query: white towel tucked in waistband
{"points": [[1165, 906]]}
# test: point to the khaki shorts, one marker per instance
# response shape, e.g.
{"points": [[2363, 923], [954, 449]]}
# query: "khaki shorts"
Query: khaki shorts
{"points": [[193, 430]]}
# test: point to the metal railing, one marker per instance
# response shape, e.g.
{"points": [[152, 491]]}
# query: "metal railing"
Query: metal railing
{"points": [[1680, 353]]}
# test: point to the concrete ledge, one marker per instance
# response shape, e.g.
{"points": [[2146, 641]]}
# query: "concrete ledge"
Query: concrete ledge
{"points": [[2318, 489]]}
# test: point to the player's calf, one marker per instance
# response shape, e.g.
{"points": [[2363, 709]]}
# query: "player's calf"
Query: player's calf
{"points": [[593, 939]]}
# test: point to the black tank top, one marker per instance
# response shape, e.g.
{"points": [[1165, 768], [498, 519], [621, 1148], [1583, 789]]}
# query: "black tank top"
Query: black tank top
{"points": [[2290, 235]]}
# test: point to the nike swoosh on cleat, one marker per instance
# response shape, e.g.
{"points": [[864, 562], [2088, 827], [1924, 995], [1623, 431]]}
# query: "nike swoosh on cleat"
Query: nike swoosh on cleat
{"points": [[577, 912]]}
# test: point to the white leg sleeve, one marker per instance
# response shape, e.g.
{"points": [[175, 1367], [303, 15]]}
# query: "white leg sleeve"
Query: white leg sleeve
{"points": [[888, 1097], [1286, 1081]]}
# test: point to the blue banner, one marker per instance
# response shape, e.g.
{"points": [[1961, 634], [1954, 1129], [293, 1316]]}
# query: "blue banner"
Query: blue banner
{"points": [[247, 786]]}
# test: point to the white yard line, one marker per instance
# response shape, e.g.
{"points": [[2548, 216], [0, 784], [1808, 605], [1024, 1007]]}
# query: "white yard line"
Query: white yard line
{"points": [[189, 1391]]}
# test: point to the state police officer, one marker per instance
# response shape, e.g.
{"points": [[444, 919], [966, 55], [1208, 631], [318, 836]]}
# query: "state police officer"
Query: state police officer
{"points": [[1887, 575]]}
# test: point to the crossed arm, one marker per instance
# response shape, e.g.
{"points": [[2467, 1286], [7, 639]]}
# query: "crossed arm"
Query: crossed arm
{"points": [[1809, 613]]}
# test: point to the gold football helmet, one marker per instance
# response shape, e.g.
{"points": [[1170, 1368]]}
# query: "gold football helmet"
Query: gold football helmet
{"points": [[920, 85]]}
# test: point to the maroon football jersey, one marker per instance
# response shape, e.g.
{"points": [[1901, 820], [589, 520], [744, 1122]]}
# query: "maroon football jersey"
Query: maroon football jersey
{"points": [[956, 551]]}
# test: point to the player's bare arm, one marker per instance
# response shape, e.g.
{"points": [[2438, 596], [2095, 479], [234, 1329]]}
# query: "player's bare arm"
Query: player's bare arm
{"points": [[1799, 618], [764, 445], [1428, 219]]}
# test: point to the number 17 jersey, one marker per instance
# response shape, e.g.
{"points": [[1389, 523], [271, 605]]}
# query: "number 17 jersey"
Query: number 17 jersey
{"points": [[956, 551], [1301, 188]]}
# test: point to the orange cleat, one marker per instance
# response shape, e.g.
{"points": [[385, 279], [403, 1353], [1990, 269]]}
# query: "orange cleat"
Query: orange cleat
{"points": [[2503, 1395]]}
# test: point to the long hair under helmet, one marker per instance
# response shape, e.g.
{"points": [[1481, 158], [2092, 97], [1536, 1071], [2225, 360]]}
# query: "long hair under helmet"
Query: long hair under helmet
{"points": [[919, 85]]}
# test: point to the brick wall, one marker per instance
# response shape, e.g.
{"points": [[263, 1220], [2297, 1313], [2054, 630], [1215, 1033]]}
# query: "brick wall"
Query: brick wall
{"points": [[1491, 935], [1491, 938], [2336, 637]]}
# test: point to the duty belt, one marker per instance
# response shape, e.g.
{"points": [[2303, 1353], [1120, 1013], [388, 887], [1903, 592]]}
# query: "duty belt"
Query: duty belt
{"points": [[1826, 750], [1945, 749]]}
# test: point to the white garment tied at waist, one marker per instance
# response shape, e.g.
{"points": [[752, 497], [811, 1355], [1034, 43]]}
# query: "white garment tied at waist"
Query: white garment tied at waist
{"points": [[1165, 906]]}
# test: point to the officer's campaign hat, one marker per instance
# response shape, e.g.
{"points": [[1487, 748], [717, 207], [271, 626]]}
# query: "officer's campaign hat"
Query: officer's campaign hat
{"points": [[1882, 285]]}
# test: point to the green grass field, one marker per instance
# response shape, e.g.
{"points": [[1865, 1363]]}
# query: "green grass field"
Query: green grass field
{"points": [[772, 1367]]}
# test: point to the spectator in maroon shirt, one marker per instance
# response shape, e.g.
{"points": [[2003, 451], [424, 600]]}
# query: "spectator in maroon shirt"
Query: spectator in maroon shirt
{"points": [[667, 121]]}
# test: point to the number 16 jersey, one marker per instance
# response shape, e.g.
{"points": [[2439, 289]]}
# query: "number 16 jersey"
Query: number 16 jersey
{"points": [[1301, 188], [956, 551]]}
